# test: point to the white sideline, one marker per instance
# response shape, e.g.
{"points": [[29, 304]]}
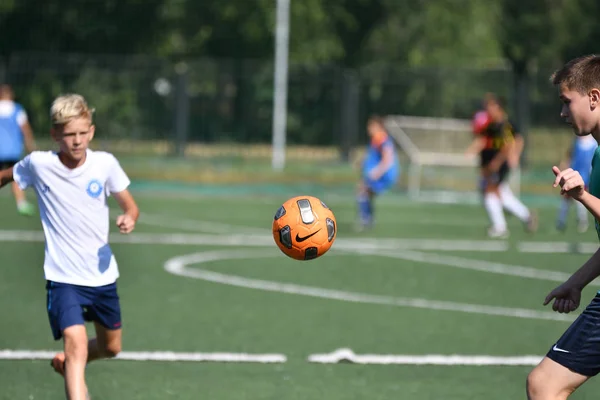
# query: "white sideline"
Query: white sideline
{"points": [[155, 356], [336, 357], [348, 356]]}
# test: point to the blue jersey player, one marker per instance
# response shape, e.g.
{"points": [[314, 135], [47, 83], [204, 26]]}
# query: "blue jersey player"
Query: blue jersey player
{"points": [[380, 170], [15, 134], [579, 158]]}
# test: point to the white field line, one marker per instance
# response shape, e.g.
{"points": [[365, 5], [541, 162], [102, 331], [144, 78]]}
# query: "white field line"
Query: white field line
{"points": [[413, 244], [394, 248], [475, 265], [348, 356], [557, 247], [180, 266], [265, 239], [338, 356], [155, 356], [192, 225]]}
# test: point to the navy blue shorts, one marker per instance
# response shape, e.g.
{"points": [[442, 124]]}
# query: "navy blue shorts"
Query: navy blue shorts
{"points": [[382, 184], [578, 349], [5, 164], [70, 305], [496, 178]]}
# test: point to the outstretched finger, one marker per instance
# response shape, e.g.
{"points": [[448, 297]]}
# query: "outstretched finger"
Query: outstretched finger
{"points": [[557, 179], [549, 298], [562, 175], [556, 170]]}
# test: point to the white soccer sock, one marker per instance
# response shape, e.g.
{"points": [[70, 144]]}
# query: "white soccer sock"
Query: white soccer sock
{"points": [[582, 212], [493, 207], [512, 204]]}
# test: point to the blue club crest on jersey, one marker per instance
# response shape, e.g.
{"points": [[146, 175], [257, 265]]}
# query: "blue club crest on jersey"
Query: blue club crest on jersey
{"points": [[94, 188]]}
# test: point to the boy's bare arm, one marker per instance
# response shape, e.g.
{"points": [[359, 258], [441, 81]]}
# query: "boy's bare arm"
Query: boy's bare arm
{"points": [[28, 137], [519, 144], [592, 203], [587, 273], [567, 296], [476, 146], [131, 212], [6, 176]]}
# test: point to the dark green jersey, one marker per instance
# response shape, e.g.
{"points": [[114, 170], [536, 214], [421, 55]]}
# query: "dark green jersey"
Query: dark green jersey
{"points": [[594, 186]]}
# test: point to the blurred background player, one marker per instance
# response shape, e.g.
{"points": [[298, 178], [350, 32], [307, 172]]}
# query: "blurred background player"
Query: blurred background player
{"points": [[499, 145], [579, 158], [15, 133], [380, 170]]}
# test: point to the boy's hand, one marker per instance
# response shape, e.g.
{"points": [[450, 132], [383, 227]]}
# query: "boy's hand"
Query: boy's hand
{"points": [[374, 174], [126, 223], [570, 181], [567, 297]]}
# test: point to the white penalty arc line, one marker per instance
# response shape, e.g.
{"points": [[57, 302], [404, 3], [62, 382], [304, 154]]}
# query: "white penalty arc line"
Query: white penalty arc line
{"points": [[475, 265], [180, 266], [348, 356], [156, 356]]}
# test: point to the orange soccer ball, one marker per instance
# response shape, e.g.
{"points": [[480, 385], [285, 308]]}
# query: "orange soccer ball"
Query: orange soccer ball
{"points": [[304, 228]]}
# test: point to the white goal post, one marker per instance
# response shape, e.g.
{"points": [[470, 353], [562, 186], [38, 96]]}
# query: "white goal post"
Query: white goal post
{"points": [[438, 168]]}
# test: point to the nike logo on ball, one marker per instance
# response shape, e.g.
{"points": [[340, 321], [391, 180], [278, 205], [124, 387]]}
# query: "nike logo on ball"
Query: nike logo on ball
{"points": [[302, 239]]}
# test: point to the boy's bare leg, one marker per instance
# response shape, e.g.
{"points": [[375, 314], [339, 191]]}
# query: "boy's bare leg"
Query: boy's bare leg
{"points": [[106, 344], [76, 352], [552, 381]]}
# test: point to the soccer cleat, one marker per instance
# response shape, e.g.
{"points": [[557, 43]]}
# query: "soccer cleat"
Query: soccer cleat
{"points": [[363, 226], [531, 225], [26, 209], [58, 363], [497, 234]]}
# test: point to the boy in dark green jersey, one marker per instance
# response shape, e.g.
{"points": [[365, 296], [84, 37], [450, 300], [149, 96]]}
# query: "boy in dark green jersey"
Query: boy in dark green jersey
{"points": [[575, 357]]}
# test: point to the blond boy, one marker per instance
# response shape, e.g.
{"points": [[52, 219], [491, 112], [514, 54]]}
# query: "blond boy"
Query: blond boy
{"points": [[72, 186]]}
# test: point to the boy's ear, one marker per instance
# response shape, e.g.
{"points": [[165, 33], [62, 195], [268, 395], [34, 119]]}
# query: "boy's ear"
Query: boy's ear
{"points": [[594, 97]]}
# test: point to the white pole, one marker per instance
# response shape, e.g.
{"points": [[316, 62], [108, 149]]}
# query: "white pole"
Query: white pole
{"points": [[280, 83]]}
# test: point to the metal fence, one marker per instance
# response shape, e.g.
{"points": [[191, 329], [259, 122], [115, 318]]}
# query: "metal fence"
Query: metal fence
{"points": [[230, 101]]}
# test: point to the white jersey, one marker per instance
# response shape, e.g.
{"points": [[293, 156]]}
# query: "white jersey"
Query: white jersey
{"points": [[74, 212]]}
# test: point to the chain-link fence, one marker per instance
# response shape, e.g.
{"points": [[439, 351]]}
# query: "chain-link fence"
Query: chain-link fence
{"points": [[230, 101]]}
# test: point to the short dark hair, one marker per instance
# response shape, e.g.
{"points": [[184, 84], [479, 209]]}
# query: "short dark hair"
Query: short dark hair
{"points": [[581, 74], [6, 90], [376, 119], [494, 98]]}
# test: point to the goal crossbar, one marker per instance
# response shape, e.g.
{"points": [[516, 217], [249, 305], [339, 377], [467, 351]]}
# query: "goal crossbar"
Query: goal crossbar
{"points": [[449, 130]]}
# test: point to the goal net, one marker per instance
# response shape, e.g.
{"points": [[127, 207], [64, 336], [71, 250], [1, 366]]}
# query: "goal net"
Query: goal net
{"points": [[438, 169]]}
